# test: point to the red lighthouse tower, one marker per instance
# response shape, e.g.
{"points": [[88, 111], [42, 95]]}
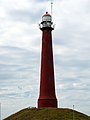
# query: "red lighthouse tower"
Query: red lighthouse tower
{"points": [[47, 97]]}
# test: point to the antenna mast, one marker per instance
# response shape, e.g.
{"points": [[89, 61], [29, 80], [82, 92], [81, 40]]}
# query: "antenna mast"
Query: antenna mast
{"points": [[0, 111], [51, 7]]}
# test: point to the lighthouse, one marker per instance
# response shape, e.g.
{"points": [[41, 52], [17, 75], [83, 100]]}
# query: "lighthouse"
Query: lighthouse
{"points": [[47, 96]]}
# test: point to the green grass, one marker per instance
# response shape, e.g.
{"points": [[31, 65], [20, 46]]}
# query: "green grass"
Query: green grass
{"points": [[48, 114]]}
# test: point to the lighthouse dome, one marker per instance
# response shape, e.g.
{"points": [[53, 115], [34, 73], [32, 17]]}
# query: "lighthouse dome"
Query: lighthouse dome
{"points": [[46, 22], [46, 17]]}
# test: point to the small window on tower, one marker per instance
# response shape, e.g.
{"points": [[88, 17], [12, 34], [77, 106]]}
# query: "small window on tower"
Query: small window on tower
{"points": [[49, 78], [49, 61], [49, 45]]}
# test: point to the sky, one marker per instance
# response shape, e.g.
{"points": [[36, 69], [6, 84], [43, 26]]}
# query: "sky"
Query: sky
{"points": [[20, 53]]}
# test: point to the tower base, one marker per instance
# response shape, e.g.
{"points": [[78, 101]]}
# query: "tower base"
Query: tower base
{"points": [[46, 103]]}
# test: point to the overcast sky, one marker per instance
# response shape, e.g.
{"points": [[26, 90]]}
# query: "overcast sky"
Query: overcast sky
{"points": [[20, 53]]}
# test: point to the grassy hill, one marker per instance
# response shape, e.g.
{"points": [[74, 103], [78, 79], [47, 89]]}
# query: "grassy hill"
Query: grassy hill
{"points": [[47, 114]]}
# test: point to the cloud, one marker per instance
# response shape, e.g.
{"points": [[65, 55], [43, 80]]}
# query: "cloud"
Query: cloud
{"points": [[17, 15]]}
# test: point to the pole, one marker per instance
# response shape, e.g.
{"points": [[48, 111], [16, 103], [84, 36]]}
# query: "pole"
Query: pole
{"points": [[73, 112], [0, 111], [51, 8]]}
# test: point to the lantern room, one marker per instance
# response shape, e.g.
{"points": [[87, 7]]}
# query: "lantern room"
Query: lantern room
{"points": [[46, 22], [46, 17]]}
